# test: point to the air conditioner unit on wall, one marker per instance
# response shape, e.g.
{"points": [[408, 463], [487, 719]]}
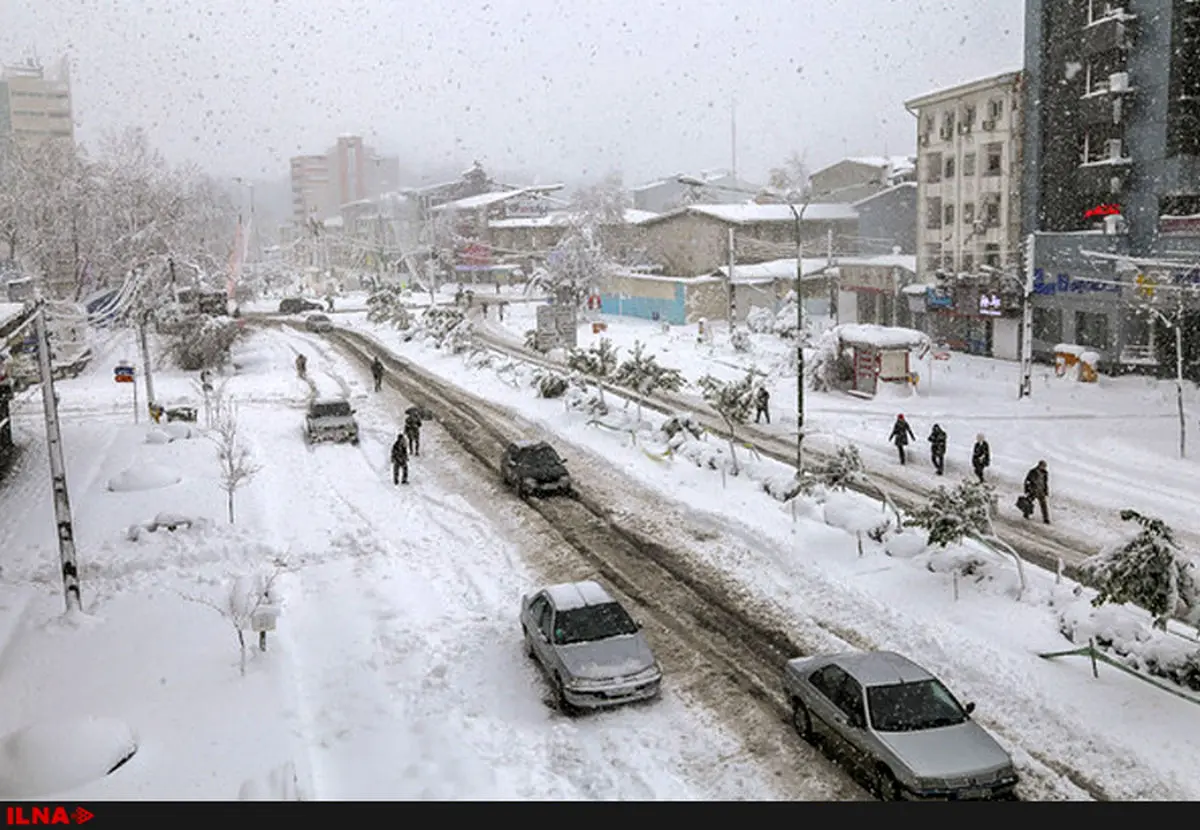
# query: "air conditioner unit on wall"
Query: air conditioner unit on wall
{"points": [[1114, 148], [1118, 82], [989, 125]]}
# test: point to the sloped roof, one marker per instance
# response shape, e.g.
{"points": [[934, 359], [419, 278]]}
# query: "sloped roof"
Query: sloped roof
{"points": [[776, 269], [885, 191], [563, 217], [967, 88], [897, 164], [750, 212], [495, 197], [906, 261]]}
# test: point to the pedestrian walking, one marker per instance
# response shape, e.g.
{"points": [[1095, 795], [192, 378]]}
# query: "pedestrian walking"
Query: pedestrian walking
{"points": [[377, 372], [937, 448], [762, 400], [981, 456], [400, 460], [412, 430], [901, 434], [329, 302], [301, 366], [500, 308], [483, 306], [1037, 490], [497, 286]]}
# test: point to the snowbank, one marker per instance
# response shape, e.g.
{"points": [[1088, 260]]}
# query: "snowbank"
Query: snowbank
{"points": [[881, 337], [56, 756], [158, 436], [144, 477], [852, 513]]}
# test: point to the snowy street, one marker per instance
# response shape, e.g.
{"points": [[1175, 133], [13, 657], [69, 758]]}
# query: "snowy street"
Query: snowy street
{"points": [[397, 670]]}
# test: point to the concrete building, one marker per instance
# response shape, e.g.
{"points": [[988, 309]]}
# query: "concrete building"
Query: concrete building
{"points": [[350, 171], [668, 194], [887, 220], [854, 179], [695, 239], [35, 104], [1112, 171]]}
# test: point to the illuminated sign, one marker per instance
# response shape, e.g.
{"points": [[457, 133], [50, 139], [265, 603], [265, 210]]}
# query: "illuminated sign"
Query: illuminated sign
{"points": [[989, 305], [1102, 210]]}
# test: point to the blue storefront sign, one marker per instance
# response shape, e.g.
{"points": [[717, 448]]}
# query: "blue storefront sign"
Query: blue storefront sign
{"points": [[1065, 284], [936, 298]]}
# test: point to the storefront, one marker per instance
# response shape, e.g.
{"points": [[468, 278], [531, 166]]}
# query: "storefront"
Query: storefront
{"points": [[971, 316]]}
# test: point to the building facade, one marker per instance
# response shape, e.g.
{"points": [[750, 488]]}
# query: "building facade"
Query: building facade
{"points": [[720, 187], [887, 220], [1112, 173], [35, 104], [854, 179], [350, 171]]}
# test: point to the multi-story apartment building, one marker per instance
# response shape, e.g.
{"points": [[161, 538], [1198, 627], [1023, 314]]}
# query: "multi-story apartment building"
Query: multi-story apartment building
{"points": [[35, 104], [1112, 173], [968, 210], [349, 172]]}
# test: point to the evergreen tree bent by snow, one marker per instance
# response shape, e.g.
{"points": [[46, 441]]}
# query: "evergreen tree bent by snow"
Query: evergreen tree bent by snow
{"points": [[597, 362], [643, 374], [1149, 570], [733, 401], [953, 515]]}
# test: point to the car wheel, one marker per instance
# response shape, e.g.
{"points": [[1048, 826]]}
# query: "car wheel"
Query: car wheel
{"points": [[528, 643], [560, 697], [886, 786], [801, 721]]}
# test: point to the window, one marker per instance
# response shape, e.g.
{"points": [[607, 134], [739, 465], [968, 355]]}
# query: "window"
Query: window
{"points": [[994, 166], [1047, 324], [849, 699], [969, 164], [948, 124], [991, 255], [933, 213], [827, 681], [1091, 329], [543, 615], [591, 623], [913, 707], [933, 168], [969, 214], [933, 255], [948, 215], [969, 116], [949, 167], [948, 261], [968, 262], [995, 109], [991, 210]]}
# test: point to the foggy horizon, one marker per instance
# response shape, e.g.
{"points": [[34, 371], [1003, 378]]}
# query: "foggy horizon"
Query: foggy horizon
{"points": [[643, 89]]}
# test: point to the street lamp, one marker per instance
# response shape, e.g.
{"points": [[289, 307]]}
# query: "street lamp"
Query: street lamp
{"points": [[798, 217]]}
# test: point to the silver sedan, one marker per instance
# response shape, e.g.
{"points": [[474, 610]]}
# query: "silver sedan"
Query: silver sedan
{"points": [[592, 651], [896, 723]]}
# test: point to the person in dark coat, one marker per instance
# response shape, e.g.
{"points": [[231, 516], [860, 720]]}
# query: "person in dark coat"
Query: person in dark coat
{"points": [[937, 448], [1037, 489], [377, 372], [412, 430], [400, 460], [762, 400], [901, 434], [981, 456]]}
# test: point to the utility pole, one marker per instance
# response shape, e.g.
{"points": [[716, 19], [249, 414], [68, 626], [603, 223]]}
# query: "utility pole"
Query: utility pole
{"points": [[150, 400], [733, 139], [1026, 389], [731, 291], [798, 216], [1179, 378], [58, 468]]}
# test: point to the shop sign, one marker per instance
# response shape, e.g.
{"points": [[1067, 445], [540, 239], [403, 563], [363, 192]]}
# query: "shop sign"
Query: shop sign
{"points": [[989, 305], [1065, 284], [938, 298]]}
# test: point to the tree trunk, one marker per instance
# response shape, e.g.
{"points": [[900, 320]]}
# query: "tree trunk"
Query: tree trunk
{"points": [[229, 500], [732, 450], [242, 646]]}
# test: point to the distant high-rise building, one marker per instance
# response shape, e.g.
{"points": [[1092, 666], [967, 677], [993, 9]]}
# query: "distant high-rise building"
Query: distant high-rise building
{"points": [[35, 104], [349, 172]]}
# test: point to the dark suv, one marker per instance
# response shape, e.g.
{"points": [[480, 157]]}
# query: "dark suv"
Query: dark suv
{"points": [[533, 467], [298, 305]]}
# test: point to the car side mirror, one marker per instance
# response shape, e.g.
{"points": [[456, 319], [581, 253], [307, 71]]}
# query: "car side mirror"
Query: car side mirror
{"points": [[969, 708]]}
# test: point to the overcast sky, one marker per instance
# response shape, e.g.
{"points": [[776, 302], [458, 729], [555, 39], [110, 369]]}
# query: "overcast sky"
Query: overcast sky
{"points": [[565, 90]]}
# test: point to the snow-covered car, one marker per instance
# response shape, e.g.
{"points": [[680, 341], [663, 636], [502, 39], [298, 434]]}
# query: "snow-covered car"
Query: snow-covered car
{"points": [[298, 305], [330, 419], [897, 725], [318, 323], [165, 521], [533, 467], [592, 651]]}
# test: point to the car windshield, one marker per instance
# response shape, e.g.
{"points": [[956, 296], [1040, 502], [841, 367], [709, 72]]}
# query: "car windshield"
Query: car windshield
{"points": [[318, 318], [592, 622], [542, 456], [911, 707], [336, 409]]}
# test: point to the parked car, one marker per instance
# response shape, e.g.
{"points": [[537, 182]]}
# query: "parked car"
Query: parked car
{"points": [[592, 651], [898, 725], [298, 305], [330, 419], [318, 323], [533, 467]]}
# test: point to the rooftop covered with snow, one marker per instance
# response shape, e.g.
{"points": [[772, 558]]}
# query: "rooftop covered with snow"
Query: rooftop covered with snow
{"points": [[880, 337], [571, 595], [776, 269], [563, 217], [750, 213], [968, 88], [496, 197], [896, 164], [12, 315], [907, 262]]}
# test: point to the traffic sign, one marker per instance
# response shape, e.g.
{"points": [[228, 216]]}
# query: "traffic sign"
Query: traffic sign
{"points": [[123, 374]]}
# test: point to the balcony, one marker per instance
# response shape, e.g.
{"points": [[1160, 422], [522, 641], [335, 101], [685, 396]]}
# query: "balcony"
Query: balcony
{"points": [[1102, 180], [1115, 32]]}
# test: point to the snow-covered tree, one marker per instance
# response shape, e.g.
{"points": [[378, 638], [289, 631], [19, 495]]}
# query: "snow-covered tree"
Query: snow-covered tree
{"points": [[791, 176], [252, 603], [1149, 570], [643, 374], [733, 401], [842, 470], [597, 362], [584, 256], [951, 515], [236, 462], [197, 341]]}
